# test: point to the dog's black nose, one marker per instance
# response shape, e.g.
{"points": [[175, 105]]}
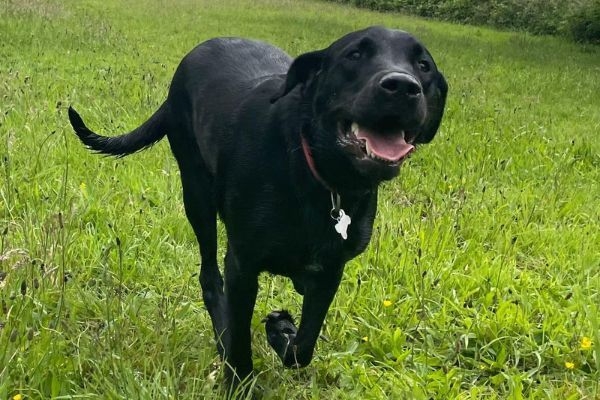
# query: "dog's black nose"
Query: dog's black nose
{"points": [[400, 84]]}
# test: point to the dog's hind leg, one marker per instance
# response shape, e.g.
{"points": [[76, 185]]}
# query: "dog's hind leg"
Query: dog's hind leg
{"points": [[241, 287], [201, 211]]}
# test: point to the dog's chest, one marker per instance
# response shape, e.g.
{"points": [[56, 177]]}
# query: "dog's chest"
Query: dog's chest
{"points": [[312, 245], [276, 228]]}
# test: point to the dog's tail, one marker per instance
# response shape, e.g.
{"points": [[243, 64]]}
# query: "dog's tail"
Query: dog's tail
{"points": [[138, 139]]}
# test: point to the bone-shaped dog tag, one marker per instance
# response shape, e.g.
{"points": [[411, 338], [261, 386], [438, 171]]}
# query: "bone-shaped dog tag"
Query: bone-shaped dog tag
{"points": [[341, 226]]}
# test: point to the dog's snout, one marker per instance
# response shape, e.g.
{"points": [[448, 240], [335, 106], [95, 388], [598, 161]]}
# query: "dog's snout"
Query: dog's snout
{"points": [[401, 84]]}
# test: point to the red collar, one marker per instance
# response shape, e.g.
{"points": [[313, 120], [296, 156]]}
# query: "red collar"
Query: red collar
{"points": [[311, 164]]}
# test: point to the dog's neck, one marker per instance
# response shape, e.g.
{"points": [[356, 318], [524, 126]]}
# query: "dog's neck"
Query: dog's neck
{"points": [[311, 164], [348, 193]]}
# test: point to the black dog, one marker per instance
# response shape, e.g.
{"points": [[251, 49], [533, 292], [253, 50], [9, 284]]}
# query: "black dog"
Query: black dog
{"points": [[289, 155]]}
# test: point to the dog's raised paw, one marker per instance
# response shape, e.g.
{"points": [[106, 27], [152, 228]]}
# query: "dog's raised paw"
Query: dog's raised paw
{"points": [[281, 332]]}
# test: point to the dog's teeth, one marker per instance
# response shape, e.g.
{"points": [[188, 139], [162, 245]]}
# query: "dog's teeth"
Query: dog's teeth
{"points": [[368, 148], [354, 128]]}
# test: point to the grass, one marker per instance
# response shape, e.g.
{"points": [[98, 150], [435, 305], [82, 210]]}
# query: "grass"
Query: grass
{"points": [[482, 278]]}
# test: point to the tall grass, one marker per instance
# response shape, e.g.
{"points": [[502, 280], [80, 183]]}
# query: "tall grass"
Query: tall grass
{"points": [[481, 281]]}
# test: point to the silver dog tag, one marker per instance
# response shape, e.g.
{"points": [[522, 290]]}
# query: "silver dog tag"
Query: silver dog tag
{"points": [[341, 226]]}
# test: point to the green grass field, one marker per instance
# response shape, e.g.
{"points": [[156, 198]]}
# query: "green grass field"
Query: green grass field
{"points": [[482, 280]]}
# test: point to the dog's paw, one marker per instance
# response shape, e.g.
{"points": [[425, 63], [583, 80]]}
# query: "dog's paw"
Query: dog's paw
{"points": [[281, 332]]}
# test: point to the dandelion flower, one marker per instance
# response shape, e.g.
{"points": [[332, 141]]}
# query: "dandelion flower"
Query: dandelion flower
{"points": [[586, 343], [569, 365], [17, 396], [387, 303], [365, 339]]}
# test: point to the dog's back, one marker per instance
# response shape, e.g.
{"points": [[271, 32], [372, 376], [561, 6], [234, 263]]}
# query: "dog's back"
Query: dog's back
{"points": [[213, 81]]}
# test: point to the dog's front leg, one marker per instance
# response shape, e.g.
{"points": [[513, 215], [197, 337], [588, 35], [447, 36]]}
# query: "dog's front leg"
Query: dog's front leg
{"points": [[241, 286], [295, 348]]}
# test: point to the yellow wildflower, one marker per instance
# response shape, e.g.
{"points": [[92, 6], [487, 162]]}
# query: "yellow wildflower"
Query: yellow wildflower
{"points": [[83, 189], [387, 303], [365, 339], [17, 396], [586, 343], [569, 365]]}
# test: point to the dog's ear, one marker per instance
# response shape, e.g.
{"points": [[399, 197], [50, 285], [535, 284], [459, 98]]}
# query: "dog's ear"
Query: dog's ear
{"points": [[436, 110], [303, 68]]}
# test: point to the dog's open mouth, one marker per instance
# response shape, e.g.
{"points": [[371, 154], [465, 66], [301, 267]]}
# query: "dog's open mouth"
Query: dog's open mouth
{"points": [[389, 147]]}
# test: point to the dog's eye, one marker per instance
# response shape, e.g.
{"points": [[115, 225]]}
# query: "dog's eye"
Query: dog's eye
{"points": [[354, 55], [424, 66]]}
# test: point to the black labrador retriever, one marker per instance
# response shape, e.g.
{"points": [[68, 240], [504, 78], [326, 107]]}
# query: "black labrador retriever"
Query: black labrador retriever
{"points": [[289, 153]]}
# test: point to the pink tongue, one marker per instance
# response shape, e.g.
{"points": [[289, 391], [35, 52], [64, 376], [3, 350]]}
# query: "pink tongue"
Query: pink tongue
{"points": [[389, 147]]}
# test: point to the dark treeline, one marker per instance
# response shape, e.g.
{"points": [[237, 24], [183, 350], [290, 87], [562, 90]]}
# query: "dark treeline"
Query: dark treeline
{"points": [[576, 19]]}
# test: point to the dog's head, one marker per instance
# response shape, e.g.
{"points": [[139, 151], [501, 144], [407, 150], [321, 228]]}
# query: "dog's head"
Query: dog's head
{"points": [[372, 96]]}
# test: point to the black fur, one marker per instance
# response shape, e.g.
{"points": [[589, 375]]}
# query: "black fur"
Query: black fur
{"points": [[236, 115]]}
